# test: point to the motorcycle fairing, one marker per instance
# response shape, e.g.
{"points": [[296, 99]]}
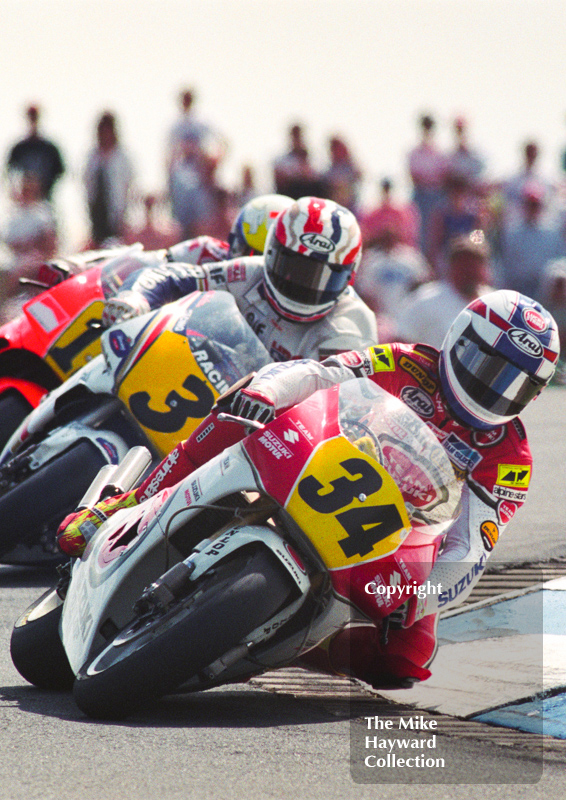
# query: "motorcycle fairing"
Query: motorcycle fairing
{"points": [[104, 588], [78, 343]]}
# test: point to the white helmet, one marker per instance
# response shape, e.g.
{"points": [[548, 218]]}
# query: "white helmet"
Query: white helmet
{"points": [[311, 253], [498, 355], [249, 231]]}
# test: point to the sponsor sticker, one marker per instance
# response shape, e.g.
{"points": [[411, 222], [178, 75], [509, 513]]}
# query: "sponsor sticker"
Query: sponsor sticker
{"points": [[516, 476], [120, 344], [489, 534], [506, 511], [505, 493], [109, 449], [418, 374], [526, 342], [382, 359], [489, 438], [461, 453], [274, 444], [418, 401], [535, 320], [318, 243]]}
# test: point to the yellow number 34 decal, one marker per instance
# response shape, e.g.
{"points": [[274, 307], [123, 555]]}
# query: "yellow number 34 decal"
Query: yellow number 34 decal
{"points": [[349, 506]]}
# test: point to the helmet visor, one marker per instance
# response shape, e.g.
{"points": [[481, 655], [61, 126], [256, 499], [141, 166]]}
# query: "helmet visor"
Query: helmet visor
{"points": [[305, 279], [489, 379]]}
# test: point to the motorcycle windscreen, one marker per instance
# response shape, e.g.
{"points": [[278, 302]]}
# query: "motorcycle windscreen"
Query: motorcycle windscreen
{"points": [[187, 355]]}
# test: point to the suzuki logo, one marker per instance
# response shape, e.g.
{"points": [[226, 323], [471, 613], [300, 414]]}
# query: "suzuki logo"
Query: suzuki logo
{"points": [[291, 436]]}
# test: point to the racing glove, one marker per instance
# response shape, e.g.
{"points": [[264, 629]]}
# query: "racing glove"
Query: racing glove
{"points": [[79, 527], [253, 405], [124, 306]]}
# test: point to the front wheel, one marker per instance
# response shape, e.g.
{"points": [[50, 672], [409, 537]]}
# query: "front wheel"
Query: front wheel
{"points": [[36, 647], [30, 511], [151, 657]]}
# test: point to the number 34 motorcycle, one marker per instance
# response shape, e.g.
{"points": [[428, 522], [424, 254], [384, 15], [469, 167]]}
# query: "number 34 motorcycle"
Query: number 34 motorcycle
{"points": [[250, 561], [156, 379]]}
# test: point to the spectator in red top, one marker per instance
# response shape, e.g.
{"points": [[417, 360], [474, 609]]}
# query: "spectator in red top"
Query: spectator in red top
{"points": [[343, 176], [404, 219]]}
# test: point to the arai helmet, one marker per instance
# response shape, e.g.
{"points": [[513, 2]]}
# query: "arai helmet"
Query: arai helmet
{"points": [[497, 356], [311, 253]]}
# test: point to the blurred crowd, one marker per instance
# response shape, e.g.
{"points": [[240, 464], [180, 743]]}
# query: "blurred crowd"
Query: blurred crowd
{"points": [[459, 233]]}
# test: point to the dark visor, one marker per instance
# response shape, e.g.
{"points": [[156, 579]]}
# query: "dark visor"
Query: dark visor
{"points": [[496, 384], [305, 278]]}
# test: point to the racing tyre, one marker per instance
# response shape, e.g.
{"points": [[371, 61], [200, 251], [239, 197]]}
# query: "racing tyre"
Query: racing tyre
{"points": [[153, 656], [14, 408], [34, 508], [36, 648]]}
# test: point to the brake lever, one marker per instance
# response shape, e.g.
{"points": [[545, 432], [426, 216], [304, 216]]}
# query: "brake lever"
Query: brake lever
{"points": [[223, 416]]}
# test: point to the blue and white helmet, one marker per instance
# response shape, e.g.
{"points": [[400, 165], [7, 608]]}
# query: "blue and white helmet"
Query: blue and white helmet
{"points": [[498, 355]]}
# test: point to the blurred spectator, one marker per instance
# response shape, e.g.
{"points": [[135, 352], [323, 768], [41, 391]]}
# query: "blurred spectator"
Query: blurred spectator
{"points": [[29, 231], [36, 154], [463, 162], [247, 189], [193, 189], [403, 219], [553, 293], [427, 168], [529, 244], [108, 178], [343, 176], [188, 127], [553, 298], [293, 173], [157, 230], [528, 175], [431, 309], [457, 215], [390, 270]]}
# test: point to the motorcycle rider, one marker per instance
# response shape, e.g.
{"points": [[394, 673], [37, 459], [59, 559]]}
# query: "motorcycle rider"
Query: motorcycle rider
{"points": [[498, 355], [246, 238], [296, 296]]}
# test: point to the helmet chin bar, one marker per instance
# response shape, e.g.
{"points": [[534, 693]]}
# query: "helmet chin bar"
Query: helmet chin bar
{"points": [[277, 302]]}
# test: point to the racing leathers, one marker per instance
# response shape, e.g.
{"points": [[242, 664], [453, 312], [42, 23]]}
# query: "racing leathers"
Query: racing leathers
{"points": [[349, 325], [495, 468]]}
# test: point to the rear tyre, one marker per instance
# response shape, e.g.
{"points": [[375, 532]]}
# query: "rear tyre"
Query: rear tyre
{"points": [[33, 509], [14, 408], [36, 647], [153, 656]]}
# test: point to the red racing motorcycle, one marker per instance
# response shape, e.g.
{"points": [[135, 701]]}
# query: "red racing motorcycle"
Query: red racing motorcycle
{"points": [[333, 513], [59, 330]]}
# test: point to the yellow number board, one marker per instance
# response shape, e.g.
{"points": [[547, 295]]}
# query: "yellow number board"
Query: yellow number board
{"points": [[78, 343], [167, 392], [348, 505]]}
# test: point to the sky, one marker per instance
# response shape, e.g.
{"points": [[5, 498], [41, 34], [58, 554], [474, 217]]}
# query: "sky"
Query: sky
{"points": [[364, 69]]}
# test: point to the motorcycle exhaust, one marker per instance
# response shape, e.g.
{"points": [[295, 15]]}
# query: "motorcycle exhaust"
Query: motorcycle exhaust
{"points": [[115, 479]]}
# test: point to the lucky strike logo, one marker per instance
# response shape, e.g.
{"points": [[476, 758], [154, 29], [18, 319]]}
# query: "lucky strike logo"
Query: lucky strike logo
{"points": [[318, 242], [534, 320]]}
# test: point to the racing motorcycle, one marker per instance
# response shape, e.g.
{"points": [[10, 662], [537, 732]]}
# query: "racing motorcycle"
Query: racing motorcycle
{"points": [[250, 561], [156, 379], [59, 329]]}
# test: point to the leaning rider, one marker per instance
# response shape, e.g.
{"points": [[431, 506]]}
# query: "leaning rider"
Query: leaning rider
{"points": [[498, 355]]}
